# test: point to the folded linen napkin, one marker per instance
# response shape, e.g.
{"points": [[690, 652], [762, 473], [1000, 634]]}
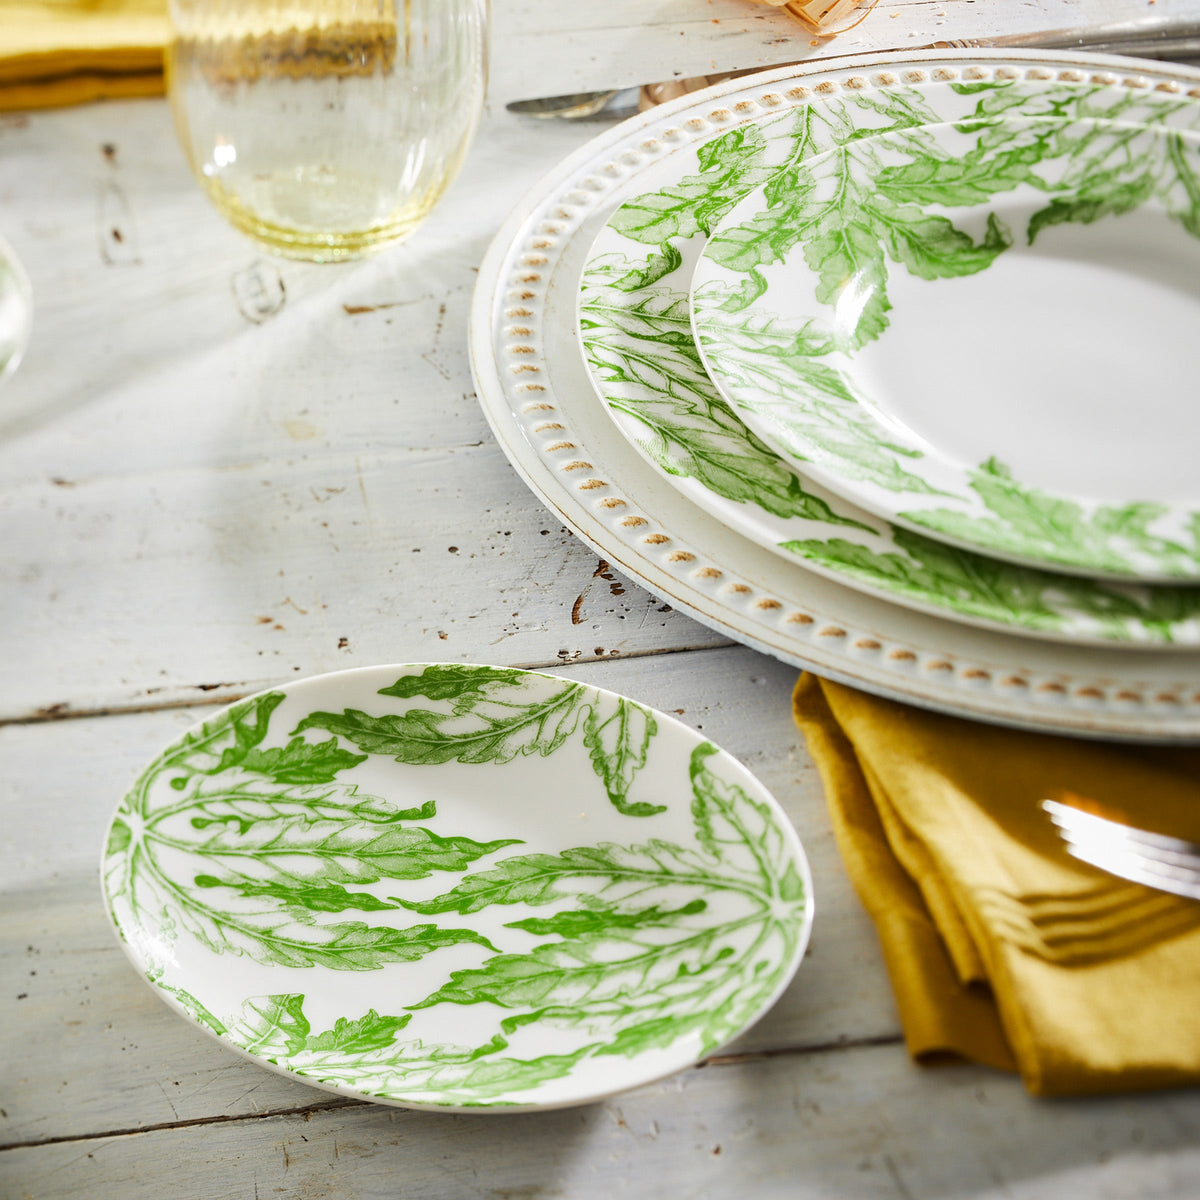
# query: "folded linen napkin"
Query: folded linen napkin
{"points": [[1001, 948], [57, 52]]}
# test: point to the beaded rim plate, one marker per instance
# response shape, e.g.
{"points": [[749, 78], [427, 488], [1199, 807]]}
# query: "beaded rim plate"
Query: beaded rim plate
{"points": [[536, 394], [635, 324], [451, 886]]}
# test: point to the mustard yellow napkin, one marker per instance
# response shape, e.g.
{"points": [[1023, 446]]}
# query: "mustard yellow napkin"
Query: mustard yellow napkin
{"points": [[1001, 948], [68, 51]]}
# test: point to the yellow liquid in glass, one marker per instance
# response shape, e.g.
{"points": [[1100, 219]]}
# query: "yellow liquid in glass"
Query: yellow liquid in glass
{"points": [[328, 143]]}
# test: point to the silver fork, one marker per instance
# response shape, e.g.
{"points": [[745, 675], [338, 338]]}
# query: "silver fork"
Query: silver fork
{"points": [[1170, 864]]}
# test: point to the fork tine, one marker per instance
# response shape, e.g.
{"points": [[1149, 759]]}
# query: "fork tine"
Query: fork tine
{"points": [[1078, 818], [1182, 881], [1170, 864]]}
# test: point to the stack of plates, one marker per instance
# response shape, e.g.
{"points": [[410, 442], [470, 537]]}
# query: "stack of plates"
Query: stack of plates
{"points": [[886, 370]]}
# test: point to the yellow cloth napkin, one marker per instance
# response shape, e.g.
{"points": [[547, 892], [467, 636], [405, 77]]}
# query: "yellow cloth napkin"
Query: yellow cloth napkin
{"points": [[68, 51], [1001, 948]]}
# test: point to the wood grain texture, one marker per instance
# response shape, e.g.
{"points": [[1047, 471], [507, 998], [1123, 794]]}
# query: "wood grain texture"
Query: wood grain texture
{"points": [[220, 472], [630, 42], [137, 1064], [854, 1123]]}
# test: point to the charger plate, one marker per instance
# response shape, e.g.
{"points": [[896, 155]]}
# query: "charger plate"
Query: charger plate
{"points": [[982, 331], [453, 886], [536, 394], [635, 322]]}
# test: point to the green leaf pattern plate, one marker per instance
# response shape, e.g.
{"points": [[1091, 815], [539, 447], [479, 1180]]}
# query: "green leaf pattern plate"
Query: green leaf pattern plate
{"points": [[635, 321], [981, 330], [451, 886]]}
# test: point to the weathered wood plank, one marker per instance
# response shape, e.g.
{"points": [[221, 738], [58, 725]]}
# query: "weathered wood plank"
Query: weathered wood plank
{"points": [[87, 1047], [860, 1123], [127, 590], [212, 501], [543, 51]]}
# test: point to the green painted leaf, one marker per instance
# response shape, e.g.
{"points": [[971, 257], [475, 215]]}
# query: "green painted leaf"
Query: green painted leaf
{"points": [[300, 761], [657, 1033], [352, 946], [369, 1032], [194, 1008], [739, 832], [1026, 520], [1087, 207], [648, 367], [590, 923], [730, 166], [577, 975], [248, 722], [297, 846], [656, 267], [272, 1026], [500, 728], [617, 745], [455, 681], [330, 897]]}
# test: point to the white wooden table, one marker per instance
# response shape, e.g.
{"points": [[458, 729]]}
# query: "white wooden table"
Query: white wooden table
{"points": [[218, 472]]}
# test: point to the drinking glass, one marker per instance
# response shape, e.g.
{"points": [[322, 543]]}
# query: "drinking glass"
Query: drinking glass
{"points": [[16, 310], [329, 128]]}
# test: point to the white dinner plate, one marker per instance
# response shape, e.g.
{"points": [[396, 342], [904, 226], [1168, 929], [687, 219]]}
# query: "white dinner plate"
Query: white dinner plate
{"points": [[538, 398], [449, 886], [985, 332], [635, 322]]}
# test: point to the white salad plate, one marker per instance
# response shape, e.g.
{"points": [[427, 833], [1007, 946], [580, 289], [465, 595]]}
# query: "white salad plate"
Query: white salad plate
{"points": [[984, 332], [635, 324], [536, 392], [448, 886]]}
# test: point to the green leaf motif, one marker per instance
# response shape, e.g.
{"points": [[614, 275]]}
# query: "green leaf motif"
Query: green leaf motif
{"points": [[848, 227], [617, 745], [1024, 520], [730, 167], [498, 728], [452, 681], [618, 947], [250, 865], [331, 897], [273, 1026], [300, 761], [646, 363], [367, 1033], [631, 963]]}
